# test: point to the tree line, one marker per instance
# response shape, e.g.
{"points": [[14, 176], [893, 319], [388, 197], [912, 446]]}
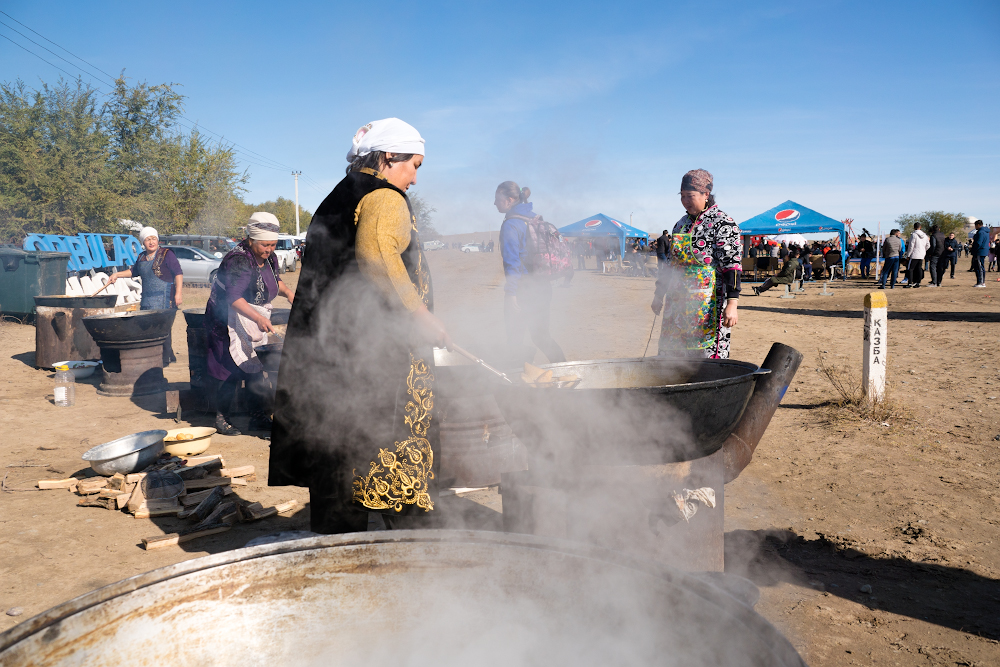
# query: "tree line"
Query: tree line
{"points": [[73, 159]]}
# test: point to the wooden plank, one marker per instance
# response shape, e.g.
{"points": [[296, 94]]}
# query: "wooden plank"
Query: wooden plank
{"points": [[241, 471], [122, 500], [206, 483], [134, 478], [239, 481], [116, 481], [111, 493], [286, 506], [92, 501], [159, 504], [189, 499], [196, 472], [48, 484], [91, 485], [191, 461], [205, 507], [215, 517], [161, 541], [147, 514], [136, 498]]}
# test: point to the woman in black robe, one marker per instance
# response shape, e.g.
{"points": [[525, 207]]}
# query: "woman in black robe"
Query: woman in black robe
{"points": [[355, 398]]}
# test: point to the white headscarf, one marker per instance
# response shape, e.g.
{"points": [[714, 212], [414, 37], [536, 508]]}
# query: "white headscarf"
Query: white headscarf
{"points": [[145, 233], [389, 135], [263, 226]]}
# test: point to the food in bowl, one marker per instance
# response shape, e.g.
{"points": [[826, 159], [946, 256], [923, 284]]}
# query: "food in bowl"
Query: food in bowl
{"points": [[188, 441]]}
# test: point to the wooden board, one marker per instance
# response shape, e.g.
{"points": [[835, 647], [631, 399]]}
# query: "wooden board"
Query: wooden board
{"points": [[172, 539], [48, 484], [241, 471]]}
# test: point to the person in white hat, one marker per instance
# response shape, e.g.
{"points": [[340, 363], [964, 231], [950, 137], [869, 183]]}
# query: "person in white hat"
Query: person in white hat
{"points": [[238, 319], [355, 398], [162, 280]]}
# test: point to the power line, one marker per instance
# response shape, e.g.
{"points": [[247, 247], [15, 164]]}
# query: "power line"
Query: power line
{"points": [[38, 56], [54, 44], [42, 46]]}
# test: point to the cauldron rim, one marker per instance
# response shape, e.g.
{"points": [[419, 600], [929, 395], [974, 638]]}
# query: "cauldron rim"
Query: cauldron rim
{"points": [[698, 585], [751, 368]]}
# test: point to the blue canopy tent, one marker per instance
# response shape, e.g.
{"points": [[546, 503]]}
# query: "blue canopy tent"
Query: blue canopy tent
{"points": [[792, 218], [602, 225]]}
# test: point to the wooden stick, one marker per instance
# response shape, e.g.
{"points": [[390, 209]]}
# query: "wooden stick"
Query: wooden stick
{"points": [[191, 461], [148, 513], [134, 477], [68, 483], [103, 287], [287, 506], [91, 485], [179, 538]]}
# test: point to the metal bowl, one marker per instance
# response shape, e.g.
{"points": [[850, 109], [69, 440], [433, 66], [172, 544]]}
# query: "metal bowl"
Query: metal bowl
{"points": [[629, 411], [81, 369], [485, 599], [126, 455]]}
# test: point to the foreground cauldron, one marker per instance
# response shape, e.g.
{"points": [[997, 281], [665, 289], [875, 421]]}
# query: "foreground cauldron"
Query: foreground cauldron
{"points": [[630, 411], [404, 597]]}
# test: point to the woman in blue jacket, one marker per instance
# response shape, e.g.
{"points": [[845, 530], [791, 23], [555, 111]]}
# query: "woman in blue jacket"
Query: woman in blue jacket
{"points": [[527, 298]]}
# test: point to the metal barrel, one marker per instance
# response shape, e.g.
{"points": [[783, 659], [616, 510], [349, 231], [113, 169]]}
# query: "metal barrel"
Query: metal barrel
{"points": [[197, 342], [61, 336]]}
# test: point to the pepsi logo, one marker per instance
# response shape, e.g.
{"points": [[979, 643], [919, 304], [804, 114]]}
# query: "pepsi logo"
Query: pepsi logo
{"points": [[616, 223], [788, 215], [592, 223]]}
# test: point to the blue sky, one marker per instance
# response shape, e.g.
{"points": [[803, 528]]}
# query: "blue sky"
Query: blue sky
{"points": [[865, 110]]}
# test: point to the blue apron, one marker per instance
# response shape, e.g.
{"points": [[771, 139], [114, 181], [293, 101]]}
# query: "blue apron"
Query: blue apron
{"points": [[155, 292], [156, 296]]}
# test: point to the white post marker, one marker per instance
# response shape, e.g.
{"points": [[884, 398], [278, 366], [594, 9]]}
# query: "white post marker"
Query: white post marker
{"points": [[875, 345]]}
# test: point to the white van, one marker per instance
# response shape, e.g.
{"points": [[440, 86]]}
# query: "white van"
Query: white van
{"points": [[288, 259]]}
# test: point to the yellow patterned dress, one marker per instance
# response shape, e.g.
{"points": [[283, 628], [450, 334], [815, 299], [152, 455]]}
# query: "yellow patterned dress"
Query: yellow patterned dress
{"points": [[354, 410]]}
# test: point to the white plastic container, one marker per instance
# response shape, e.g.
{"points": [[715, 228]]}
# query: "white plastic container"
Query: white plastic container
{"points": [[65, 390]]}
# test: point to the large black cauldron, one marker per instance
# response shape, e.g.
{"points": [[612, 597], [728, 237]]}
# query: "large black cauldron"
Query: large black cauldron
{"points": [[629, 411], [126, 331]]}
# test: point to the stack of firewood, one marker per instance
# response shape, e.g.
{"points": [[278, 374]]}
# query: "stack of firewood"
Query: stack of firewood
{"points": [[206, 499]]}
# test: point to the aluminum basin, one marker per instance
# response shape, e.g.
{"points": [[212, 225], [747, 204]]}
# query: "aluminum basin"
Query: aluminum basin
{"points": [[126, 455], [123, 331], [630, 411], [403, 598]]}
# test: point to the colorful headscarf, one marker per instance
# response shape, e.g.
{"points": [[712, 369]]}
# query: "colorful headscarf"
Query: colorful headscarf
{"points": [[697, 180]]}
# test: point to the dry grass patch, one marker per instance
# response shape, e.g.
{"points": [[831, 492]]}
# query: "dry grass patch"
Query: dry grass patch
{"points": [[853, 403]]}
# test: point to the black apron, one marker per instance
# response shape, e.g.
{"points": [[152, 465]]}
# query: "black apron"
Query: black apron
{"points": [[355, 399]]}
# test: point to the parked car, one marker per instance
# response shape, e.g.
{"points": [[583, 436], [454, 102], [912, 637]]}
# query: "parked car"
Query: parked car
{"points": [[471, 247], [288, 258], [434, 245], [215, 245], [199, 266]]}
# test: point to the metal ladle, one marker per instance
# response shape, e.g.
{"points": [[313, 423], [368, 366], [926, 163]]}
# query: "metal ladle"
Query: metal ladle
{"points": [[472, 357]]}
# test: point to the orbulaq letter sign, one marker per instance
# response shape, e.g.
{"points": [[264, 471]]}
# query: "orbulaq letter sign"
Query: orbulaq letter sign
{"points": [[87, 251]]}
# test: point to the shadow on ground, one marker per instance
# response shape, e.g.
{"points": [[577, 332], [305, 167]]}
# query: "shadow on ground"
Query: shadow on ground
{"points": [[947, 596], [921, 316]]}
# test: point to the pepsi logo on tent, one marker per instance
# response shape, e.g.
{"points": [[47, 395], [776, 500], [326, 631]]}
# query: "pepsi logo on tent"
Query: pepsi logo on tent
{"points": [[787, 215], [592, 223], [616, 223]]}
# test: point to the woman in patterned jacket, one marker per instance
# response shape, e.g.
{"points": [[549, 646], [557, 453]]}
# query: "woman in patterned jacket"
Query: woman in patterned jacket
{"points": [[700, 290]]}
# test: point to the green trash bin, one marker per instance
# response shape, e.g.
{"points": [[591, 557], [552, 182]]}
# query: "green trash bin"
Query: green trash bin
{"points": [[25, 274]]}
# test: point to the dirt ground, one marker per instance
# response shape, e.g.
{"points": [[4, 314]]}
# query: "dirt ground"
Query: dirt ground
{"points": [[829, 505]]}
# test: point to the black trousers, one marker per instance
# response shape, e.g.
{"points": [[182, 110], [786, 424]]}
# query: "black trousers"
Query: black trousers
{"points": [[935, 270], [225, 394], [532, 313], [915, 272]]}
